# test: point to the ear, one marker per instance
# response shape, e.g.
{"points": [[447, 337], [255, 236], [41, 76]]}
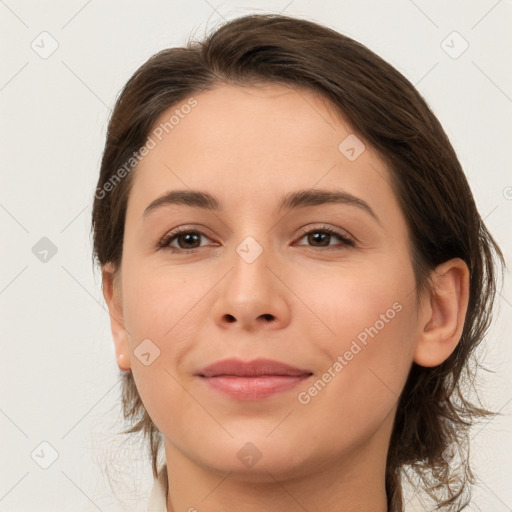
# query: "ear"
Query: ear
{"points": [[112, 295], [443, 313]]}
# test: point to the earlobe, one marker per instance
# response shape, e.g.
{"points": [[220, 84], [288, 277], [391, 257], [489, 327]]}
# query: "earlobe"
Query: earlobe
{"points": [[112, 295], [444, 313]]}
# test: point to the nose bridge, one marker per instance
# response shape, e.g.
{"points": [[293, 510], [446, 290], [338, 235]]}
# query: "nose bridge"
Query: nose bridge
{"points": [[250, 274], [251, 249], [252, 243]]}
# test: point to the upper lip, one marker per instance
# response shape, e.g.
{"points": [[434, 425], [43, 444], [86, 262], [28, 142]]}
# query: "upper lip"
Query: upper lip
{"points": [[254, 368]]}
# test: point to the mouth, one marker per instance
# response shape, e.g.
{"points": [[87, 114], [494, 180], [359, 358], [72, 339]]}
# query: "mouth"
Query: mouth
{"points": [[252, 380], [256, 368]]}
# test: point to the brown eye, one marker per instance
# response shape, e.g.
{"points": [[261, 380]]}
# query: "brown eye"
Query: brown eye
{"points": [[319, 237], [322, 237], [186, 239]]}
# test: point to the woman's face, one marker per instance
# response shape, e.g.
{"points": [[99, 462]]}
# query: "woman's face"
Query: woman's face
{"points": [[263, 280]]}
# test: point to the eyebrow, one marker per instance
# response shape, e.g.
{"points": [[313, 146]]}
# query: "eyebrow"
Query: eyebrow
{"points": [[292, 200]]}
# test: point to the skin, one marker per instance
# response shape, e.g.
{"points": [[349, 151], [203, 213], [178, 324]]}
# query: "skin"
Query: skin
{"points": [[301, 301]]}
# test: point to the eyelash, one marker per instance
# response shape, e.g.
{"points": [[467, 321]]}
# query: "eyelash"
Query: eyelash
{"points": [[167, 239]]}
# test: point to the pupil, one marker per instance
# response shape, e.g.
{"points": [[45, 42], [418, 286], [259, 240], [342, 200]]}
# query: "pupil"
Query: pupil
{"points": [[189, 237], [317, 235]]}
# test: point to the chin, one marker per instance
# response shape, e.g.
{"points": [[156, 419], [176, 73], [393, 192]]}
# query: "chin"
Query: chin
{"points": [[255, 461]]}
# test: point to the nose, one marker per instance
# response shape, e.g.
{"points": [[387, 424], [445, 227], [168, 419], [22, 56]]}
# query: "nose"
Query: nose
{"points": [[253, 295]]}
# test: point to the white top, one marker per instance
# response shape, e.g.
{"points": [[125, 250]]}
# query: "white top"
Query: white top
{"points": [[158, 497]]}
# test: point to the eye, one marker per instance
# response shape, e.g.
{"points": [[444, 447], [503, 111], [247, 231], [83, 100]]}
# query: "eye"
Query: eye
{"points": [[324, 235], [187, 240]]}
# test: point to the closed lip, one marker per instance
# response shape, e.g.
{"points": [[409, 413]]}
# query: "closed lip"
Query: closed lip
{"points": [[255, 368]]}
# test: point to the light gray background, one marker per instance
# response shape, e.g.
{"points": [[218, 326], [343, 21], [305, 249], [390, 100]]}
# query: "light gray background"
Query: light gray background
{"points": [[59, 381]]}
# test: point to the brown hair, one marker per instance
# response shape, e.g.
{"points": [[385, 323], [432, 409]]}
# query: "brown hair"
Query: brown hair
{"points": [[384, 109]]}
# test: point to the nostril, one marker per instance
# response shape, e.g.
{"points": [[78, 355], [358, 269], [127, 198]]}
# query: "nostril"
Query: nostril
{"points": [[265, 316]]}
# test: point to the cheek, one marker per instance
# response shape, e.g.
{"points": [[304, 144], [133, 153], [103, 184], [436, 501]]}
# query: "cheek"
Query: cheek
{"points": [[157, 301], [366, 373], [366, 340], [157, 308], [356, 302]]}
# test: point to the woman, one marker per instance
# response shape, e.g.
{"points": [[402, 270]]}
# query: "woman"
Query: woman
{"points": [[296, 273]]}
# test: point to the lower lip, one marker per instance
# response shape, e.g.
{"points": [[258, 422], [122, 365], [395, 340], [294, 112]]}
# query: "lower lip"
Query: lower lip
{"points": [[253, 388]]}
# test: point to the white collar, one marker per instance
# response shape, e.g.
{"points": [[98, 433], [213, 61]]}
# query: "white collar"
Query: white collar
{"points": [[158, 497]]}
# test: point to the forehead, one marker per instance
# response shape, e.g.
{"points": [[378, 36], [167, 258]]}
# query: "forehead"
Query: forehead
{"points": [[255, 119], [243, 140]]}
